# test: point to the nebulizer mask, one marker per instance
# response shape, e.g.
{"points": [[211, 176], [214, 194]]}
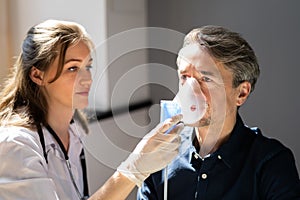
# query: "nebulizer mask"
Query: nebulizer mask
{"points": [[191, 103]]}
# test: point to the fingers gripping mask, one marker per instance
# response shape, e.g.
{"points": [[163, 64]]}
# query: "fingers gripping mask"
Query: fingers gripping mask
{"points": [[191, 101]]}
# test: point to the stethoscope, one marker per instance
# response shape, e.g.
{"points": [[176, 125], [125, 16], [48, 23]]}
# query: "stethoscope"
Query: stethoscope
{"points": [[68, 164]]}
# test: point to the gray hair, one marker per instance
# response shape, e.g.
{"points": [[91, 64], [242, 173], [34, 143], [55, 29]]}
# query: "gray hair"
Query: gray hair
{"points": [[228, 48]]}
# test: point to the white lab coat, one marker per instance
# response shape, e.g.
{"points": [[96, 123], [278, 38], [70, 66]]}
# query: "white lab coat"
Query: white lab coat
{"points": [[24, 173]]}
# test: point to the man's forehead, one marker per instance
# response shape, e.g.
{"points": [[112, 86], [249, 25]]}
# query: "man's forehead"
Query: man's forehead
{"points": [[194, 55]]}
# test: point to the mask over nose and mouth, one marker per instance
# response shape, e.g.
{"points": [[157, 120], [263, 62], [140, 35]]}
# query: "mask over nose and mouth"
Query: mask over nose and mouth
{"points": [[189, 101]]}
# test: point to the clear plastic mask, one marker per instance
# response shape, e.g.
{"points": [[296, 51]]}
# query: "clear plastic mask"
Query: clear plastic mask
{"points": [[189, 101]]}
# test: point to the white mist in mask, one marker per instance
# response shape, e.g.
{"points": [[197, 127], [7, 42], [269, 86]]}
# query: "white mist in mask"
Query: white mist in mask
{"points": [[191, 101]]}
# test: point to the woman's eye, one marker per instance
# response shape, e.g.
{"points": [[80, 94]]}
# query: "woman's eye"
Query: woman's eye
{"points": [[89, 67], [73, 69]]}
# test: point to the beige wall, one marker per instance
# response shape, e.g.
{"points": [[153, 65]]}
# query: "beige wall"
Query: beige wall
{"points": [[4, 41]]}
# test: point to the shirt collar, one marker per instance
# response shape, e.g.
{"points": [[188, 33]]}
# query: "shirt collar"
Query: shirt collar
{"points": [[235, 144]]}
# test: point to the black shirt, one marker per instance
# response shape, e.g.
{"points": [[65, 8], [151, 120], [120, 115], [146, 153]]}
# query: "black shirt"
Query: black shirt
{"points": [[247, 166]]}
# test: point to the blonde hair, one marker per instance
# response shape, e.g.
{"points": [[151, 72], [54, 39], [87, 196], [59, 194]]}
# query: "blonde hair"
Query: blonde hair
{"points": [[22, 103]]}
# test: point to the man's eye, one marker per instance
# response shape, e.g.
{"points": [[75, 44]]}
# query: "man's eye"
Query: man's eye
{"points": [[183, 77], [73, 69], [205, 79]]}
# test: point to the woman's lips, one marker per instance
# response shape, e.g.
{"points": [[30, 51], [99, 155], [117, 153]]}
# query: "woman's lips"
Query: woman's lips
{"points": [[85, 93]]}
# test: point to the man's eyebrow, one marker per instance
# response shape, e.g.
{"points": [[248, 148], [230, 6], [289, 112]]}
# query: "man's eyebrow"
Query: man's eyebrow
{"points": [[207, 73], [76, 60], [203, 72], [181, 71]]}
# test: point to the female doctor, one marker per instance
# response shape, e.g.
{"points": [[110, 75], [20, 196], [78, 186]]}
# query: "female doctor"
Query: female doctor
{"points": [[42, 127]]}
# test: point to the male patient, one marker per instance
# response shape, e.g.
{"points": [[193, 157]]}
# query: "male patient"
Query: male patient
{"points": [[225, 159]]}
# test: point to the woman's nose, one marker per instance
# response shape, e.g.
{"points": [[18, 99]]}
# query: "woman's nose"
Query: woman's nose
{"points": [[85, 78]]}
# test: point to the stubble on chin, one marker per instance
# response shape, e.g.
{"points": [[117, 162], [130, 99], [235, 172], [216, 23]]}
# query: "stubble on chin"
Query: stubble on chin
{"points": [[205, 121]]}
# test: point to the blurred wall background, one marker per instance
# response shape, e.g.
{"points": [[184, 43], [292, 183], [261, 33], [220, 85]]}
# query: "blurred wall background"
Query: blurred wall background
{"points": [[4, 41], [126, 55]]}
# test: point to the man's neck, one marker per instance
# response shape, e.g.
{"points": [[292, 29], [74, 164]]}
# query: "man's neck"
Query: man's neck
{"points": [[210, 138]]}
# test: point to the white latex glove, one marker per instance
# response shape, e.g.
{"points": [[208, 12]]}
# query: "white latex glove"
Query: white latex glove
{"points": [[154, 152]]}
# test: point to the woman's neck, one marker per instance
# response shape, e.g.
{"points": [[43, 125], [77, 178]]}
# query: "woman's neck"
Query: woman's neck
{"points": [[59, 121]]}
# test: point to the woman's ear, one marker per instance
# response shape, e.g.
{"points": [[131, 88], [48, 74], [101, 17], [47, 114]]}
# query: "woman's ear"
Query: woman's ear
{"points": [[37, 76], [244, 90]]}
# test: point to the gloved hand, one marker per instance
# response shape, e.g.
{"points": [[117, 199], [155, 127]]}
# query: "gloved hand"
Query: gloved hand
{"points": [[154, 152]]}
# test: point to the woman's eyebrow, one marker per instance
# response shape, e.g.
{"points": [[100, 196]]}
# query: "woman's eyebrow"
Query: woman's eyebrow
{"points": [[76, 60]]}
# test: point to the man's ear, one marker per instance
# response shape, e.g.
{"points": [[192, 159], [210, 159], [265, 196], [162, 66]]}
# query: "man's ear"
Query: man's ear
{"points": [[37, 76], [244, 90]]}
